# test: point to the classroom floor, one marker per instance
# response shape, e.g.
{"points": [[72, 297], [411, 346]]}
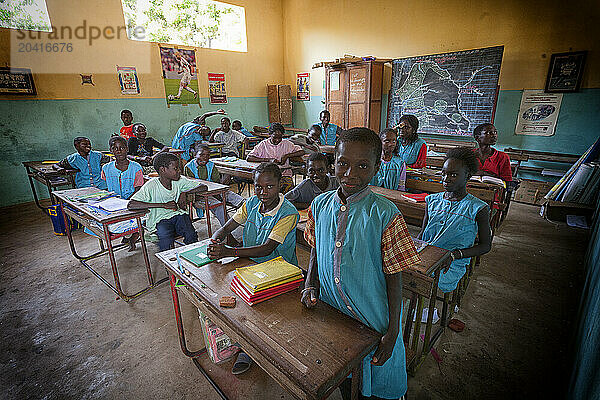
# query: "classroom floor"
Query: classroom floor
{"points": [[64, 334]]}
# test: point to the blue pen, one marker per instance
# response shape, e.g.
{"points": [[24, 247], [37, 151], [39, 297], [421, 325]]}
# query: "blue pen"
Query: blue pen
{"points": [[179, 264]]}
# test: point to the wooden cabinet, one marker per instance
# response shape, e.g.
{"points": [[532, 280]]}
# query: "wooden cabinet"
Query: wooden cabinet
{"points": [[353, 94]]}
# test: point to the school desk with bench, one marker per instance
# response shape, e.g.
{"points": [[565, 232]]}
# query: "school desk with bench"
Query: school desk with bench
{"points": [[307, 352], [75, 204]]}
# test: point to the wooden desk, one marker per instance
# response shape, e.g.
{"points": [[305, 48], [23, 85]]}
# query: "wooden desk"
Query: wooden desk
{"points": [[241, 168], [308, 352], [327, 149], [44, 173], [413, 213], [216, 149], [80, 211]]}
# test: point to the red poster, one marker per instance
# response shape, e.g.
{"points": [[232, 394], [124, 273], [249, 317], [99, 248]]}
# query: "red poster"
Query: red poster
{"points": [[216, 88], [303, 86]]}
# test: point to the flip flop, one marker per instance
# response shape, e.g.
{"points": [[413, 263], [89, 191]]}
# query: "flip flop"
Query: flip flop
{"points": [[242, 364]]}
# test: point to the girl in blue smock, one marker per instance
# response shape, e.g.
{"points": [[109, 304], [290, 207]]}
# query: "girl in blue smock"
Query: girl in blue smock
{"points": [[87, 162], [454, 218], [329, 131], [359, 246], [392, 172], [411, 149]]}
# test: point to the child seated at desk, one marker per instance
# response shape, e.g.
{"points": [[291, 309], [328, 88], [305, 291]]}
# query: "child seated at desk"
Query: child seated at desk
{"points": [[122, 176], [166, 198], [411, 149], [392, 172], [202, 168], [237, 126], [127, 129], [269, 222], [454, 218], [87, 162], [310, 141], [360, 244], [329, 131], [277, 150], [490, 161], [230, 137], [318, 182], [141, 147]]}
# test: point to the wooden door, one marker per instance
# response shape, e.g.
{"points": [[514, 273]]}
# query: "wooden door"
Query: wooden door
{"points": [[335, 92], [358, 95]]}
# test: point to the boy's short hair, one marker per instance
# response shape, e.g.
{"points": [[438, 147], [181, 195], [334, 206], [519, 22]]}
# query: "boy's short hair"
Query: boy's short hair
{"points": [[135, 126], [163, 160], [202, 146], [316, 128], [269, 168], [237, 121], [325, 112], [361, 135], [225, 119], [412, 121], [114, 139], [479, 128], [79, 139], [318, 157], [276, 127], [467, 156], [126, 111]]}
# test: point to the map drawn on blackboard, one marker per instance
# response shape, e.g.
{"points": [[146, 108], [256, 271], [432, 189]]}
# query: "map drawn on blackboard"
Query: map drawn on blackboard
{"points": [[449, 93]]}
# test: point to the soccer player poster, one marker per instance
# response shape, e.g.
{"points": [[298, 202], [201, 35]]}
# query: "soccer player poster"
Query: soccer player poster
{"points": [[216, 88], [179, 75]]}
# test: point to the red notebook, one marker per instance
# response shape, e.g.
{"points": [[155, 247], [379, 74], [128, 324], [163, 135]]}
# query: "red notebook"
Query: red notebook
{"points": [[418, 197], [243, 292]]}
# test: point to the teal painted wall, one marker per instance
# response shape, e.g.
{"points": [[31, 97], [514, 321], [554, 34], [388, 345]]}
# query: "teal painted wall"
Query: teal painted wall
{"points": [[577, 128], [44, 129]]}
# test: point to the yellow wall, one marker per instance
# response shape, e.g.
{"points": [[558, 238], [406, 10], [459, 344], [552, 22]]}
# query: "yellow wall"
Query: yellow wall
{"points": [[530, 31], [247, 73]]}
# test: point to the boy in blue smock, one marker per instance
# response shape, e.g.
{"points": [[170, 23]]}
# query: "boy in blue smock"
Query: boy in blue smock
{"points": [[269, 222], [191, 132], [87, 162], [362, 278], [329, 131], [166, 198], [392, 172], [454, 218], [202, 168]]}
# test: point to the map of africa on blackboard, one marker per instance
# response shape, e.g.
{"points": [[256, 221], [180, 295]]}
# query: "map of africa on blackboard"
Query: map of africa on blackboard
{"points": [[449, 93]]}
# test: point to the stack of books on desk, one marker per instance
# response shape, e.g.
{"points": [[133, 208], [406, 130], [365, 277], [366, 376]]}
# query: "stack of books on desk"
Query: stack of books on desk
{"points": [[264, 281]]}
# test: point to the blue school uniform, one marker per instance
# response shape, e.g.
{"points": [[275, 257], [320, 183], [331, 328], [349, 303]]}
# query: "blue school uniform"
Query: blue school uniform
{"points": [[258, 227], [245, 132], [194, 168], [451, 225], [352, 279], [89, 169], [121, 182], [185, 137], [328, 135], [391, 174], [410, 152]]}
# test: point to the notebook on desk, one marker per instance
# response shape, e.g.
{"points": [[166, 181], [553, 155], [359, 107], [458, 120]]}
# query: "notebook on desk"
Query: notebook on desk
{"points": [[197, 256]]}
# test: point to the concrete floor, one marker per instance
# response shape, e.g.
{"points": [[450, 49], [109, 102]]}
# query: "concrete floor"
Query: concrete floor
{"points": [[64, 334]]}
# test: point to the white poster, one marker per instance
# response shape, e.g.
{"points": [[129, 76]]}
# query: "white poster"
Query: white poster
{"points": [[538, 113], [334, 81]]}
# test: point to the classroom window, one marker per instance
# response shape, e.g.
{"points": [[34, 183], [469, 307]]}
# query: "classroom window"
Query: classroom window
{"points": [[200, 23], [25, 14]]}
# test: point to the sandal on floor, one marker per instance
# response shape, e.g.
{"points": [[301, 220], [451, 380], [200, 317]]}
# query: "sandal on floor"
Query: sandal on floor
{"points": [[242, 364]]}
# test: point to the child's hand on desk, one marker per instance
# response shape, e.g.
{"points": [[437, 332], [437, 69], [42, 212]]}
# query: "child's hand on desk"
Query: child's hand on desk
{"points": [[385, 348], [215, 249], [310, 296], [171, 205], [182, 201]]}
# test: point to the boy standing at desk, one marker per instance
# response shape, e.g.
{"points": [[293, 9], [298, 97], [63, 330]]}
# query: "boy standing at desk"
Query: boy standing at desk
{"points": [[279, 151], [166, 198], [87, 162], [362, 278]]}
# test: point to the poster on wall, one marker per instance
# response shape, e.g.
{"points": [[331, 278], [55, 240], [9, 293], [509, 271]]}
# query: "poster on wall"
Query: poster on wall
{"points": [[538, 113], [303, 86], [16, 81], [179, 75], [216, 88], [128, 80]]}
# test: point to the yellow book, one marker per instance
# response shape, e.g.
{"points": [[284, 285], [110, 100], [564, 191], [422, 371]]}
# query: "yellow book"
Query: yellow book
{"points": [[268, 273], [278, 283]]}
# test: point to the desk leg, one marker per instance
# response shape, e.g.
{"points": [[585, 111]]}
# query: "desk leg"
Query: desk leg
{"points": [[145, 252], [113, 263], [224, 195], [179, 321], [207, 211], [356, 377], [35, 197]]}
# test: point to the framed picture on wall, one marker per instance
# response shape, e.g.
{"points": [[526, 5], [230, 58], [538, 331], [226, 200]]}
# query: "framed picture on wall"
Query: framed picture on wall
{"points": [[565, 72], [16, 81]]}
